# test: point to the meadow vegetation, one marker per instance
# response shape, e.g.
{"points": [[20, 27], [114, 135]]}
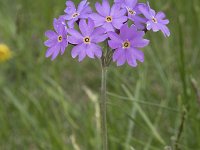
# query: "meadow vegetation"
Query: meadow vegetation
{"points": [[54, 105]]}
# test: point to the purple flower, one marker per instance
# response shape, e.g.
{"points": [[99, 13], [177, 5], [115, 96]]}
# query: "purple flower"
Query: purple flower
{"points": [[57, 41], [109, 18], [126, 45], [134, 13], [86, 41], [155, 21], [73, 14]]}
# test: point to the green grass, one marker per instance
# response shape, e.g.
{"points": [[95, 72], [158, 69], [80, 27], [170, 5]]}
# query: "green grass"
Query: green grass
{"points": [[54, 105]]}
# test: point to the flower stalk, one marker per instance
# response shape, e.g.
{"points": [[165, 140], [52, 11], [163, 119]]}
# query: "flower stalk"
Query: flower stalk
{"points": [[103, 108], [105, 62]]}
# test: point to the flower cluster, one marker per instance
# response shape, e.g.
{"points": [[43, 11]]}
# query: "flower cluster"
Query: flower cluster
{"points": [[121, 27]]}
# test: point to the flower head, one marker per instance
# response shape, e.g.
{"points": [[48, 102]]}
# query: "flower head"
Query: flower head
{"points": [[108, 24], [57, 41], [5, 53], [73, 14], [109, 18], [155, 21], [87, 41], [126, 45], [133, 12]]}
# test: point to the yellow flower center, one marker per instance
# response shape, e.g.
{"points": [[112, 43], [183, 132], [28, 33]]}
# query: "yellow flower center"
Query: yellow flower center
{"points": [[109, 19], [126, 44], [5, 53], [154, 20], [131, 12], [86, 40], [60, 38], [75, 15]]}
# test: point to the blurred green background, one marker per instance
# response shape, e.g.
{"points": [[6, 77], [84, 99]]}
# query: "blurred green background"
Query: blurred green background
{"points": [[54, 105]]}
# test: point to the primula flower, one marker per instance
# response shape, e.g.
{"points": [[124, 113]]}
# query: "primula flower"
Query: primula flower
{"points": [[133, 12], [73, 14], [126, 45], [109, 18], [57, 41], [105, 26], [155, 21], [86, 41]]}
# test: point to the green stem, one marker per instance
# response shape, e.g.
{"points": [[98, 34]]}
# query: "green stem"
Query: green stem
{"points": [[103, 108], [180, 130]]}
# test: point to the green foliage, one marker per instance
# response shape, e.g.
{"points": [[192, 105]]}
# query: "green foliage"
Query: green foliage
{"points": [[54, 105]]}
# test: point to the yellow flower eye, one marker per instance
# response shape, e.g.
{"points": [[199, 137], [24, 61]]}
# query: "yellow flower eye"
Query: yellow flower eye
{"points": [[109, 19]]}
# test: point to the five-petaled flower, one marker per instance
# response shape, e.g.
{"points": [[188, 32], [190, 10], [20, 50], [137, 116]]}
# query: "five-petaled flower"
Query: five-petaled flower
{"points": [[87, 41], [109, 18], [126, 45], [73, 14], [134, 14], [57, 41], [155, 21]]}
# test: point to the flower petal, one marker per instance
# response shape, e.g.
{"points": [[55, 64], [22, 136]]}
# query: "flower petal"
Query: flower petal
{"points": [[98, 20], [81, 55], [51, 42], [68, 17], [55, 53], [84, 14], [75, 38], [130, 33], [51, 50], [116, 12], [139, 55], [144, 10], [80, 51], [160, 15], [108, 27], [149, 25], [76, 50], [63, 46], [50, 34], [166, 21], [98, 35], [130, 57], [70, 7], [100, 10], [121, 59], [71, 22], [114, 45], [139, 43], [131, 3], [82, 5], [155, 27], [94, 50], [115, 37], [106, 7], [118, 22], [89, 50], [117, 54], [85, 28], [165, 30]]}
